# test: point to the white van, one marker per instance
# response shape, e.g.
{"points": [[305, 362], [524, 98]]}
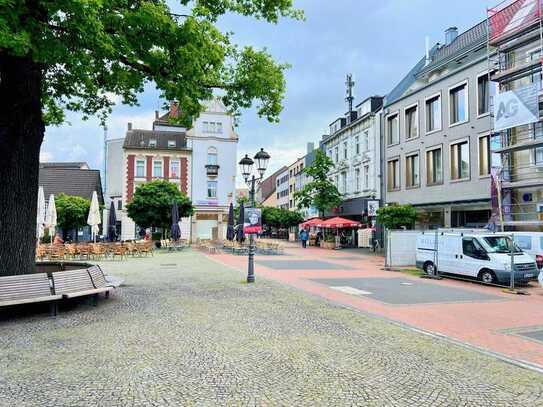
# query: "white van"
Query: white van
{"points": [[485, 256], [532, 244]]}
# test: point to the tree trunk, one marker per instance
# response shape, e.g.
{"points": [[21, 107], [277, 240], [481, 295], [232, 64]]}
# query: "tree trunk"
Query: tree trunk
{"points": [[21, 135]]}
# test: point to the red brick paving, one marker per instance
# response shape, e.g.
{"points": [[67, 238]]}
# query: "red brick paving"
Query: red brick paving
{"points": [[476, 323]]}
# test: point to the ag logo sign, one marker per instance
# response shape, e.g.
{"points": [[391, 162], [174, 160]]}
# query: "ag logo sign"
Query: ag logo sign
{"points": [[516, 108]]}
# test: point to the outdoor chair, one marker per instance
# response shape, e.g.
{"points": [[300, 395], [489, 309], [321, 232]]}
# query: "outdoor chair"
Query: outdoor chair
{"points": [[71, 250], [27, 289], [118, 250]]}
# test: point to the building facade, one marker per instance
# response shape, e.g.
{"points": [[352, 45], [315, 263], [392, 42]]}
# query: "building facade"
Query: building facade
{"points": [[295, 171], [204, 155], [515, 41], [282, 185], [354, 145], [437, 134]]}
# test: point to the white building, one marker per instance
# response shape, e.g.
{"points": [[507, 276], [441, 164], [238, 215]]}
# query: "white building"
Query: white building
{"points": [[354, 145], [213, 142], [281, 189]]}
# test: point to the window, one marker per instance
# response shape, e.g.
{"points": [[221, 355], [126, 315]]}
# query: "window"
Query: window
{"points": [[458, 104], [219, 127], [434, 168], [344, 150], [412, 178], [357, 145], [212, 158], [157, 169], [336, 181], [336, 152], [366, 176], [152, 142], [393, 181], [411, 123], [174, 169], [171, 143], [483, 95], [357, 179], [472, 248], [344, 182], [365, 139], [140, 168], [393, 130], [120, 205], [535, 55], [212, 189], [484, 155], [524, 242], [460, 160], [433, 114]]}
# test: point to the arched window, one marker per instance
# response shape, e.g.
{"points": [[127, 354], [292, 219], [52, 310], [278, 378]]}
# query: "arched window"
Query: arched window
{"points": [[212, 158]]}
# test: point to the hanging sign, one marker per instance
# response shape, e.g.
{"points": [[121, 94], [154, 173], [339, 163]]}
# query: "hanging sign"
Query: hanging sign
{"points": [[253, 221], [372, 208]]}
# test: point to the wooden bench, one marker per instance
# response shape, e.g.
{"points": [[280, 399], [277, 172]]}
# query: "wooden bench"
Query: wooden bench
{"points": [[99, 279], [77, 283], [27, 289]]}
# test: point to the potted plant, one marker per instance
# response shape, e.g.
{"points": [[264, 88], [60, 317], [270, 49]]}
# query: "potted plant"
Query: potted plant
{"points": [[329, 242]]}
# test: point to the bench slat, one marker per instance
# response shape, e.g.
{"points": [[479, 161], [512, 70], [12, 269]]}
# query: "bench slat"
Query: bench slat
{"points": [[24, 286], [72, 281]]}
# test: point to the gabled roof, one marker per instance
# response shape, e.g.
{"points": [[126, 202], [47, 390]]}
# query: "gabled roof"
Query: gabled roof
{"points": [[71, 181], [65, 164], [139, 139]]}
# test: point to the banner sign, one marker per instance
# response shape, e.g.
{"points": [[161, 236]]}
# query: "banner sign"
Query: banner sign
{"points": [[372, 208], [516, 108], [253, 221]]}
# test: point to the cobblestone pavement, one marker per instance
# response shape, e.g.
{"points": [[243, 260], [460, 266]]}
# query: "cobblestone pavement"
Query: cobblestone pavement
{"points": [[186, 331]]}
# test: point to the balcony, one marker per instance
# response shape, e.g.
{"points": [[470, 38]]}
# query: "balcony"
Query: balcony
{"points": [[212, 170]]}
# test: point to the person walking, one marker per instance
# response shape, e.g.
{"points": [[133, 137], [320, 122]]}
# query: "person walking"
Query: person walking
{"points": [[303, 237]]}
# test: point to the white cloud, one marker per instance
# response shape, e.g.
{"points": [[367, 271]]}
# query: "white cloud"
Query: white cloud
{"points": [[46, 156]]}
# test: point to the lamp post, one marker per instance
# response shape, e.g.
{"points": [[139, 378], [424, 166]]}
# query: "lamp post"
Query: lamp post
{"points": [[246, 166]]}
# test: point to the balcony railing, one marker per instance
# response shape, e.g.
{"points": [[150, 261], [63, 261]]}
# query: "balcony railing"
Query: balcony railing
{"points": [[212, 170]]}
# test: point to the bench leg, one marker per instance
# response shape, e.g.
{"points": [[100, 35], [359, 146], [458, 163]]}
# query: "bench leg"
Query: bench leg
{"points": [[107, 295], [95, 300], [53, 308]]}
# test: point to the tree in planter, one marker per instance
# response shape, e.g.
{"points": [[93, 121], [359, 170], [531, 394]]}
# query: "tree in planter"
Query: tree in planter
{"points": [[397, 216], [58, 55], [320, 192], [72, 212], [151, 205]]}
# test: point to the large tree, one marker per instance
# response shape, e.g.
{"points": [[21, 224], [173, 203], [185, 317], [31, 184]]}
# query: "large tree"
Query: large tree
{"points": [[397, 216], [72, 212], [320, 192], [74, 55], [151, 205]]}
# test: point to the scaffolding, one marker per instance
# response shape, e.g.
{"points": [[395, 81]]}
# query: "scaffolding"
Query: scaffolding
{"points": [[514, 49]]}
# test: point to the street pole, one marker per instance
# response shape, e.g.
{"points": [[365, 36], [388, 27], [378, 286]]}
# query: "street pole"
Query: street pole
{"points": [[251, 267], [512, 280]]}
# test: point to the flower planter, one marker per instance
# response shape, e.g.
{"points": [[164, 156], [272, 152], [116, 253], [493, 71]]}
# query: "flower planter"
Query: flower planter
{"points": [[328, 245]]}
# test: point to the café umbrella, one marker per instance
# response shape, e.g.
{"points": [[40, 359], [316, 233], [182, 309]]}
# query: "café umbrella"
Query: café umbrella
{"points": [[94, 218], [40, 217], [230, 234], [175, 230], [112, 223], [51, 217]]}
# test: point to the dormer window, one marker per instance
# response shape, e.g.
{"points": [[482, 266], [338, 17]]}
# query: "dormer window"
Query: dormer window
{"points": [[152, 142], [172, 143]]}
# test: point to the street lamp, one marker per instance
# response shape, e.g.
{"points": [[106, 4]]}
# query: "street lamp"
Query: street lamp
{"points": [[246, 168]]}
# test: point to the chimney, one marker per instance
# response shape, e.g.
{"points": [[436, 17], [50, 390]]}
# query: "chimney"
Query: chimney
{"points": [[310, 147], [174, 110], [129, 126], [156, 114], [427, 51], [450, 35]]}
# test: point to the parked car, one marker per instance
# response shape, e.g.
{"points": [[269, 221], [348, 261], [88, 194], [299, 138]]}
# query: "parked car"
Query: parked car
{"points": [[480, 255]]}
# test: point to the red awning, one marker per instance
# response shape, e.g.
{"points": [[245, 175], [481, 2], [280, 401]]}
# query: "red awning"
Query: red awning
{"points": [[311, 222], [339, 223]]}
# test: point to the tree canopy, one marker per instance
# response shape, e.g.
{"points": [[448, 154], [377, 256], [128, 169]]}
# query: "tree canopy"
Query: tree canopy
{"points": [[72, 211], [90, 50], [281, 218], [397, 216], [320, 192], [152, 202]]}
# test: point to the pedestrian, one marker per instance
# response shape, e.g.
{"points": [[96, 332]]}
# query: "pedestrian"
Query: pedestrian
{"points": [[303, 237]]}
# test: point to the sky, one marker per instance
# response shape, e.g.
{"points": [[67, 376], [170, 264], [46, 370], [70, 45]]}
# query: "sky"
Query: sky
{"points": [[377, 41]]}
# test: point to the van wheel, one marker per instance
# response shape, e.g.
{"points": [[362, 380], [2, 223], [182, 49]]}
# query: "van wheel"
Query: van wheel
{"points": [[429, 268], [487, 276]]}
